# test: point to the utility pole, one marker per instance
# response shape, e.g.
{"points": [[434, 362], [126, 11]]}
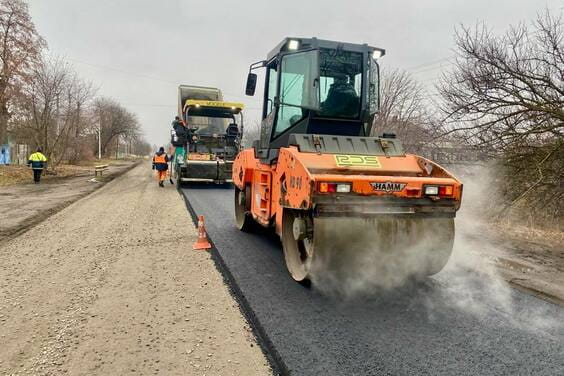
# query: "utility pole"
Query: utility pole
{"points": [[100, 140]]}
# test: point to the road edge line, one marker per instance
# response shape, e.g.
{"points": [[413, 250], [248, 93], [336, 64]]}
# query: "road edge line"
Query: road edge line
{"points": [[269, 350]]}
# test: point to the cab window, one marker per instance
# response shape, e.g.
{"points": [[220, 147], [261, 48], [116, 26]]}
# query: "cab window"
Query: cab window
{"points": [[340, 83], [299, 89]]}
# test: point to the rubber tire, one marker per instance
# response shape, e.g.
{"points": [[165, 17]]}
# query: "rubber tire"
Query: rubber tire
{"points": [[243, 219]]}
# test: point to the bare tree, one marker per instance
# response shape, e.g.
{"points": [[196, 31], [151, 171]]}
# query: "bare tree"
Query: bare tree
{"points": [[79, 98], [506, 93], [251, 133], [401, 102], [41, 105], [140, 147], [404, 111], [114, 121], [50, 110], [20, 50], [507, 88]]}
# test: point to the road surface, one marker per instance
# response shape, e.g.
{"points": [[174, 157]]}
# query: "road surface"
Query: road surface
{"points": [[460, 322]]}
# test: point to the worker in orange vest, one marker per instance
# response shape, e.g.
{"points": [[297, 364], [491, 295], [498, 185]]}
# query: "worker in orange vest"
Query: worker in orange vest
{"points": [[160, 163]]}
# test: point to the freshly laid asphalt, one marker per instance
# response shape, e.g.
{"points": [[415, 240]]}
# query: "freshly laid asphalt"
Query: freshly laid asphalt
{"points": [[416, 330]]}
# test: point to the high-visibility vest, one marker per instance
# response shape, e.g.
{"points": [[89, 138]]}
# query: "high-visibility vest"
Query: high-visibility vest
{"points": [[159, 158], [37, 157]]}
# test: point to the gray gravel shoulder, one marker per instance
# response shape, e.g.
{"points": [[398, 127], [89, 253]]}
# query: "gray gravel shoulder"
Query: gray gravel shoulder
{"points": [[110, 285]]}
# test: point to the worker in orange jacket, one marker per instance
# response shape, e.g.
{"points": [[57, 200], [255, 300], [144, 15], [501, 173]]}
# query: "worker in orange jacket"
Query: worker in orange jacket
{"points": [[160, 163]]}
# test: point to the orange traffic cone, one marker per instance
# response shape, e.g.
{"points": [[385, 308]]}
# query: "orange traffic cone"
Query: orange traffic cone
{"points": [[202, 243]]}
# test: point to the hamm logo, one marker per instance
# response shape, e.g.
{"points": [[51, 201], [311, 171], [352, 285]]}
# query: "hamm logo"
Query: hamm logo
{"points": [[388, 187]]}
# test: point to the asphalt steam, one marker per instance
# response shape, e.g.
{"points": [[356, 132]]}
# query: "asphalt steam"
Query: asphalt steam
{"points": [[362, 258], [356, 256]]}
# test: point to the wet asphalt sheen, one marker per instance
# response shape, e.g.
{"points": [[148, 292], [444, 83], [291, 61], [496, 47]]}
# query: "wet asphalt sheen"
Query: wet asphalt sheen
{"points": [[410, 331]]}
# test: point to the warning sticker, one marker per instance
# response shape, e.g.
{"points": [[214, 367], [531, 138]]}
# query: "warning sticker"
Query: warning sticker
{"points": [[199, 157], [371, 161]]}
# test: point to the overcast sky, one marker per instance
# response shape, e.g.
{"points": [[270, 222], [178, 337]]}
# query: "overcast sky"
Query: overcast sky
{"points": [[139, 51]]}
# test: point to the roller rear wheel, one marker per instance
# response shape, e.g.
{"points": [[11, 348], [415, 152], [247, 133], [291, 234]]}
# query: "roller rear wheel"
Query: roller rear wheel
{"points": [[243, 218]]}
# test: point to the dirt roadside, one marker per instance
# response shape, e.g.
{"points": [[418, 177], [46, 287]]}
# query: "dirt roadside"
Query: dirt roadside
{"points": [[21, 174], [528, 258], [536, 267], [110, 286], [25, 205]]}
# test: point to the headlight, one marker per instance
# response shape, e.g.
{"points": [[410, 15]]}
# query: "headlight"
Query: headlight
{"points": [[293, 45], [431, 190], [439, 190], [343, 188], [325, 187]]}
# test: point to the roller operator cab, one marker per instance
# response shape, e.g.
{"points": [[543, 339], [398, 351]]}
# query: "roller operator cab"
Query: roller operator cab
{"points": [[333, 193]]}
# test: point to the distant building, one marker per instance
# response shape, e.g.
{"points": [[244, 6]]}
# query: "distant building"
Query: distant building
{"points": [[450, 153], [14, 154], [5, 157]]}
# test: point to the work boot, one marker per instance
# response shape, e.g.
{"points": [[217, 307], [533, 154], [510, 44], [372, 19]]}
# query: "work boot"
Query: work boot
{"points": [[161, 184]]}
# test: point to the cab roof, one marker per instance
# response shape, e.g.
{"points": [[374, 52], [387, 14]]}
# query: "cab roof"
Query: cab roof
{"points": [[309, 43]]}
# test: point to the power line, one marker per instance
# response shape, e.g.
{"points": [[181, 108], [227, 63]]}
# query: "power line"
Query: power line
{"points": [[417, 68], [433, 62], [129, 73], [432, 69], [132, 73]]}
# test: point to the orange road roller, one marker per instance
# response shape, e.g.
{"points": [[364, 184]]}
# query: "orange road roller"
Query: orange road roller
{"points": [[333, 193]]}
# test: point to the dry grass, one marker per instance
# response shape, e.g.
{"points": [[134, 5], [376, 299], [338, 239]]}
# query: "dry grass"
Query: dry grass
{"points": [[10, 175], [15, 174]]}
